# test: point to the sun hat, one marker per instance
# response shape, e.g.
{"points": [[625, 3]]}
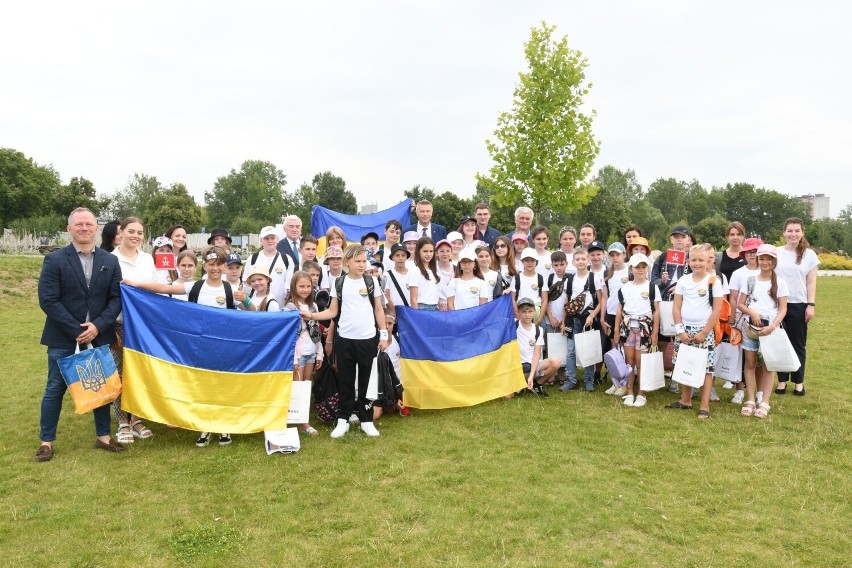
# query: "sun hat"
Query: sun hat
{"points": [[750, 244], [638, 241]]}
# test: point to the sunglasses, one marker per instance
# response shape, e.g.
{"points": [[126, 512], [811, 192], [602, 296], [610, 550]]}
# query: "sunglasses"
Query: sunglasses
{"points": [[500, 246]]}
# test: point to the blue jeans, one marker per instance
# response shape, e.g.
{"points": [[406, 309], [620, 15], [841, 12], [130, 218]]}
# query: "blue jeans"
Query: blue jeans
{"points": [[571, 364], [51, 402]]}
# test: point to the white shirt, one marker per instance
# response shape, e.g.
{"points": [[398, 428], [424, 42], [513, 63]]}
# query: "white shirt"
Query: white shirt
{"points": [[279, 273], [637, 301], [761, 300], [614, 284], [544, 265], [490, 278], [466, 293], [272, 304], [140, 270], [556, 305], [209, 295], [795, 275], [739, 278], [696, 308], [357, 315], [402, 280], [427, 289], [578, 285], [529, 287], [444, 279], [527, 342]]}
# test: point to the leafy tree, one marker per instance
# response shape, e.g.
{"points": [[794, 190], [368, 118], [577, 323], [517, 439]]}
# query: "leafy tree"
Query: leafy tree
{"points": [[244, 225], [545, 148], [502, 216], [174, 206], [654, 226], [132, 200], [79, 192], [255, 191], [45, 225], [26, 188], [712, 230], [762, 211], [830, 234], [609, 210], [669, 197], [447, 208], [331, 193], [696, 201], [300, 203]]}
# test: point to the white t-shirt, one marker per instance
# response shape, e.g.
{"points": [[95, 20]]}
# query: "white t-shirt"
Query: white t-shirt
{"points": [[279, 273], [466, 293], [357, 315], [529, 287], [556, 305], [738, 282], [696, 309], [209, 295], [527, 342], [761, 300], [141, 270], [544, 265], [445, 276], [402, 280], [599, 277], [396, 359], [614, 284], [327, 279], [795, 275], [304, 344], [578, 284], [427, 289], [637, 301], [490, 278]]}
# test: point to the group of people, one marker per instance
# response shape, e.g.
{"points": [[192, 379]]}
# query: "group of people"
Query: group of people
{"points": [[348, 297]]}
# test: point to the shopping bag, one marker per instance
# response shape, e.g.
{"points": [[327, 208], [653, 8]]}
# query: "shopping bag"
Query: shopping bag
{"points": [[91, 377], [691, 365], [557, 346], [300, 402], [667, 324], [651, 370], [778, 353], [728, 362], [617, 367], [373, 385], [588, 348]]}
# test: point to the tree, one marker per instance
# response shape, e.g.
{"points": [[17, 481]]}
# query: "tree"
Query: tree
{"points": [[132, 201], [255, 191], [502, 216], [654, 226], [669, 197], [79, 192], [712, 230], [545, 147], [609, 209], [762, 211], [26, 188], [331, 193], [174, 206], [301, 203]]}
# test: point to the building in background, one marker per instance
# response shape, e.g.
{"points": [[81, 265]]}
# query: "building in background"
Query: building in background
{"points": [[368, 208], [819, 205]]}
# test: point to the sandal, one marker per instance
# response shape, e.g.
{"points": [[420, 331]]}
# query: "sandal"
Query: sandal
{"points": [[311, 431], [124, 434], [748, 408], [762, 411], [679, 405], [704, 414], [139, 430]]}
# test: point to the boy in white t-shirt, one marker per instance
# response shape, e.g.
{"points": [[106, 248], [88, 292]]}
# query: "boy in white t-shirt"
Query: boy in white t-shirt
{"points": [[530, 284], [280, 267], [396, 280], [537, 369]]}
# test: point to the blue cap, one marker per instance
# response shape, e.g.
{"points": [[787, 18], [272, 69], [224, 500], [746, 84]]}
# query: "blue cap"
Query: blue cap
{"points": [[616, 247], [233, 258]]}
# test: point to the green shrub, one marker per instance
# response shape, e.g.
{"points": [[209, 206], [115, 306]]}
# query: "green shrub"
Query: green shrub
{"points": [[831, 261]]}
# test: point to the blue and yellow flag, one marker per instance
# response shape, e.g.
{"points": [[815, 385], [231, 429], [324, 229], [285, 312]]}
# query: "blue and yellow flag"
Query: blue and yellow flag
{"points": [[204, 368], [459, 358], [355, 226]]}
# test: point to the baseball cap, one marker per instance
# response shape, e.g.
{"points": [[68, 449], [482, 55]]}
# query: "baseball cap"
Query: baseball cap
{"points": [[410, 236], [616, 247], [162, 241], [596, 245], [370, 235], [679, 230], [266, 231], [454, 236], [467, 254], [526, 302], [529, 253], [443, 242], [767, 249], [465, 219], [638, 259], [519, 237], [233, 258], [397, 248]]}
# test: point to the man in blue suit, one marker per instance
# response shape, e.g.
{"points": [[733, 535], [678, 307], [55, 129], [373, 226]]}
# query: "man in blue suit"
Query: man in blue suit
{"points": [[424, 227], [79, 291], [289, 242]]}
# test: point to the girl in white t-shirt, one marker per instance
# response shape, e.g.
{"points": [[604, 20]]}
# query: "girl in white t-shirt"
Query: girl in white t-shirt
{"points": [[423, 284], [468, 289], [355, 337], [504, 261], [764, 302], [259, 281], [187, 266], [308, 354], [445, 270], [737, 283], [694, 318], [490, 276], [616, 276], [637, 322]]}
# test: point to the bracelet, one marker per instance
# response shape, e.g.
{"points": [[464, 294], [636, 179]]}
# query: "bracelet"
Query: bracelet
{"points": [[383, 335], [811, 304], [246, 302]]}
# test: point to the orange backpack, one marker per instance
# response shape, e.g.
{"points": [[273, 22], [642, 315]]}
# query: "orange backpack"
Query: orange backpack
{"points": [[722, 328]]}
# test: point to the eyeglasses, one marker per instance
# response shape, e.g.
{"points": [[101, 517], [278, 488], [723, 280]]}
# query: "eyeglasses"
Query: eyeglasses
{"points": [[500, 246]]}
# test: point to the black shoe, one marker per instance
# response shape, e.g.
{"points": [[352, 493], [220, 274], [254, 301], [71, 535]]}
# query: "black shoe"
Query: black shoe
{"points": [[780, 390], [539, 390], [799, 392]]}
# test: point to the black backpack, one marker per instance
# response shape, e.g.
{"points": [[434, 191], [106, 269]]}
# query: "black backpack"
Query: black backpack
{"points": [[651, 296], [326, 392], [518, 284], [229, 294], [390, 387], [338, 287]]}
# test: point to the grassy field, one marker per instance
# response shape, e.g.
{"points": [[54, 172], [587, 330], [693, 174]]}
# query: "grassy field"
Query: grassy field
{"points": [[576, 479]]}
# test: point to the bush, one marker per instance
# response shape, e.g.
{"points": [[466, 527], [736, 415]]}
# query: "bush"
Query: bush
{"points": [[831, 261]]}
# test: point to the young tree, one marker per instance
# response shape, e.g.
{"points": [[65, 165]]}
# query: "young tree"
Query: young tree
{"points": [[255, 191], [545, 148], [609, 209]]}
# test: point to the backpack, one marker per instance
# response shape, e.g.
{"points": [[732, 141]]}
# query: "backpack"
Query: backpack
{"points": [[229, 294], [574, 306], [285, 257], [651, 296], [518, 284], [325, 392], [390, 387], [722, 328]]}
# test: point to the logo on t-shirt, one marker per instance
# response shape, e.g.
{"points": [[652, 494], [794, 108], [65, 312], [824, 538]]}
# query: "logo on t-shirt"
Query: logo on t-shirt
{"points": [[547, 265], [220, 300], [534, 286], [624, 279], [474, 289], [532, 342], [644, 295], [279, 270], [363, 292], [702, 292]]}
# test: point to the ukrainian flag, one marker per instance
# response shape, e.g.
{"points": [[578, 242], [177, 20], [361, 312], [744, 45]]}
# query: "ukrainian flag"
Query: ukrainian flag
{"points": [[204, 368], [355, 226], [459, 358]]}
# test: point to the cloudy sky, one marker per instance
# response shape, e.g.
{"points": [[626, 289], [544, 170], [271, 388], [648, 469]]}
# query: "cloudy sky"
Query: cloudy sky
{"points": [[392, 94]]}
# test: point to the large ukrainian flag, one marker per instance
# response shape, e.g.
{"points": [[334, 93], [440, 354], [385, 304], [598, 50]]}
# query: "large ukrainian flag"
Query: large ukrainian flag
{"points": [[206, 369], [459, 358], [355, 226]]}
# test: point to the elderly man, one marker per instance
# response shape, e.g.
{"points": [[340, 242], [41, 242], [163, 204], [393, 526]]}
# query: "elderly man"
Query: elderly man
{"points": [[484, 233], [289, 243], [523, 222], [424, 227], [79, 292]]}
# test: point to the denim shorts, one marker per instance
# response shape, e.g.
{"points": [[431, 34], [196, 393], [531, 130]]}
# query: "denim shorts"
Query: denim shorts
{"points": [[306, 360], [428, 307]]}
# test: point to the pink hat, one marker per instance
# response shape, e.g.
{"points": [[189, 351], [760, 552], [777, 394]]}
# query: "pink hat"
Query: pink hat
{"points": [[768, 250], [442, 242], [750, 244], [519, 237]]}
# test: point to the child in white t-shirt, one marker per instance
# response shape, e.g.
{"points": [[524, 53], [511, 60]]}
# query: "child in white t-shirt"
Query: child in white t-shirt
{"points": [[423, 284], [308, 354], [530, 284], [537, 369], [468, 289]]}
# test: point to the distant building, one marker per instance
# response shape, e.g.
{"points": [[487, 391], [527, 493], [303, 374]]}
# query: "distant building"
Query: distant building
{"points": [[819, 205], [368, 208]]}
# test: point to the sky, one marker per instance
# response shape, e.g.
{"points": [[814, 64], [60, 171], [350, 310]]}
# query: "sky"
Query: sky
{"points": [[388, 95]]}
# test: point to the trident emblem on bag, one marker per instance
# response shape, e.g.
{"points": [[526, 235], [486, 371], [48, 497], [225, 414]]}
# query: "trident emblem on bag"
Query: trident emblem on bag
{"points": [[91, 378]]}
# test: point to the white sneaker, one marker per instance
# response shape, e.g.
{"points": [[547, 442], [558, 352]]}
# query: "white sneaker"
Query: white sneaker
{"points": [[341, 429], [640, 401], [728, 385], [354, 419], [610, 390], [369, 429], [759, 397], [738, 397], [620, 391], [628, 400]]}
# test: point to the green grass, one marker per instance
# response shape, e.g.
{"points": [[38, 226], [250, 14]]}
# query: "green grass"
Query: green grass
{"points": [[575, 479]]}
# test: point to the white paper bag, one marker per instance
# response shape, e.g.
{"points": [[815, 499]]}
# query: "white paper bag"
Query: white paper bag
{"points": [[588, 348], [557, 346], [300, 403], [281, 441], [691, 365], [373, 385], [667, 324], [728, 362], [778, 353], [651, 371]]}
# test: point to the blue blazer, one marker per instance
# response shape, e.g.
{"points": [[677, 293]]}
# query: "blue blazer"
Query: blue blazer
{"points": [[489, 237], [439, 232], [65, 299], [284, 247]]}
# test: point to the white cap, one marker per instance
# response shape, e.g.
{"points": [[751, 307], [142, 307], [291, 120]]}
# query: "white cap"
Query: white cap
{"points": [[454, 236], [467, 253], [268, 230], [529, 253], [638, 259]]}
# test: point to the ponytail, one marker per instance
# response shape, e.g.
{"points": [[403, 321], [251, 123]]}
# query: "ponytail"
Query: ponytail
{"points": [[803, 243]]}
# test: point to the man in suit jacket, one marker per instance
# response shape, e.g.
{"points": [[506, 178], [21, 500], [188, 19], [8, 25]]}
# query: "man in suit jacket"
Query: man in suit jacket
{"points": [[484, 232], [424, 226], [289, 243], [79, 291]]}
